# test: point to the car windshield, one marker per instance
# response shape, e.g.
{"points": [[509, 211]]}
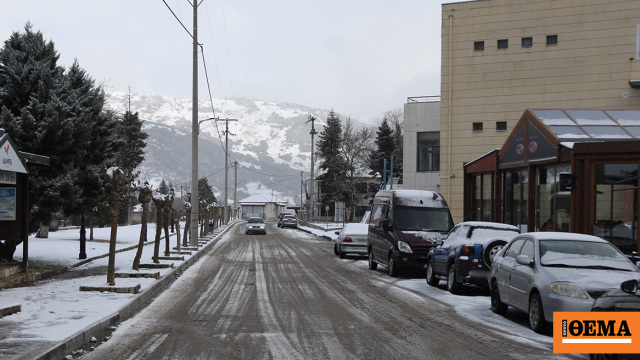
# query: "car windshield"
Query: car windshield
{"points": [[423, 219], [582, 254], [255, 220]]}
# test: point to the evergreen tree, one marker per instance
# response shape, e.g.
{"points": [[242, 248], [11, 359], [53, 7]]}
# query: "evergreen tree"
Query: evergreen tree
{"points": [[61, 115], [131, 153], [396, 120], [205, 191], [163, 187], [332, 164], [384, 149]]}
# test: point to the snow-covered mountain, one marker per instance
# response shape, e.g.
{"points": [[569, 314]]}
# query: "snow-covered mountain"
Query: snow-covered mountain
{"points": [[271, 142]]}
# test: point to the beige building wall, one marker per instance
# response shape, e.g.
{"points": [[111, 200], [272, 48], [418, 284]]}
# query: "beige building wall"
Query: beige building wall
{"points": [[590, 67], [421, 114]]}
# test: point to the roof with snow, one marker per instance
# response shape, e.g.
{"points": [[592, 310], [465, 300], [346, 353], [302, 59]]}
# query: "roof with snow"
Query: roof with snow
{"points": [[258, 200]]}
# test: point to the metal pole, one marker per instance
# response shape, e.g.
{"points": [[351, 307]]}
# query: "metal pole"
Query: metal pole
{"points": [[235, 190], [194, 131], [226, 170], [313, 132]]}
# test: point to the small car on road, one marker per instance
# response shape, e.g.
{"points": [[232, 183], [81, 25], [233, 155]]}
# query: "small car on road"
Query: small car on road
{"points": [[280, 216], [255, 225], [289, 221], [541, 273], [465, 256], [352, 239]]}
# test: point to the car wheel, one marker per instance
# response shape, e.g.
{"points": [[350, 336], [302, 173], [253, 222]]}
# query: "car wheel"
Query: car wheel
{"points": [[452, 284], [393, 268], [341, 254], [335, 249], [497, 306], [246, 233], [491, 250], [537, 321], [431, 275], [372, 263]]}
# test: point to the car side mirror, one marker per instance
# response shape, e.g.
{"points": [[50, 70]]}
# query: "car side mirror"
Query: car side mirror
{"points": [[524, 260], [386, 226], [337, 232], [439, 242], [629, 286]]}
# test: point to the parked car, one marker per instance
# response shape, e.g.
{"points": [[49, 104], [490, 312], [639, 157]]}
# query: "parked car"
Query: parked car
{"points": [[465, 256], [404, 225], [352, 239], [255, 225], [624, 298], [539, 273], [289, 221], [280, 216]]}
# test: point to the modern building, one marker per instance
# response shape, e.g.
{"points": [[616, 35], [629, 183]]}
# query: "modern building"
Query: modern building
{"points": [[501, 57], [421, 143]]}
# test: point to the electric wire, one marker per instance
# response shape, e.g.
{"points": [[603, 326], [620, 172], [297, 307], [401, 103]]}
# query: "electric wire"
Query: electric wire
{"points": [[177, 18], [224, 22], [258, 172]]}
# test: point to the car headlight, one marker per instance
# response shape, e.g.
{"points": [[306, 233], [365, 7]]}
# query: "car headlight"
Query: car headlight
{"points": [[570, 289], [404, 247]]}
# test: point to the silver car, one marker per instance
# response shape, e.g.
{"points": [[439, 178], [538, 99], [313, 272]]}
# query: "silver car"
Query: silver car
{"points": [[255, 225], [351, 240], [543, 272]]}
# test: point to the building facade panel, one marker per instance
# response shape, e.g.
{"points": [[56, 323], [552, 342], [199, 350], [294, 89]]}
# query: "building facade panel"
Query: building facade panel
{"points": [[589, 67]]}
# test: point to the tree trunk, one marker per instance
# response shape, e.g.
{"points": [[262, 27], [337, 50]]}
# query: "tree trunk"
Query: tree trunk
{"points": [[116, 178], [144, 197], [43, 231], [159, 218]]}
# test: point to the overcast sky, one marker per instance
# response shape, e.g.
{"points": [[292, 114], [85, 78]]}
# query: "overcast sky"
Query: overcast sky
{"points": [[360, 57]]}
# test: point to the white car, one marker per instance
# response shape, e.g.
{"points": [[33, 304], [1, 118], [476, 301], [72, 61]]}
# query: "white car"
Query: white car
{"points": [[351, 240]]}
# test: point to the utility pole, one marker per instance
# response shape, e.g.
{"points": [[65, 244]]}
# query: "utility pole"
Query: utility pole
{"points": [[226, 166], [194, 132], [235, 189], [301, 185], [313, 132]]}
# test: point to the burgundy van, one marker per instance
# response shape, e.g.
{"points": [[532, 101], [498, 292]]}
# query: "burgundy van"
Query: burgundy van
{"points": [[404, 225]]}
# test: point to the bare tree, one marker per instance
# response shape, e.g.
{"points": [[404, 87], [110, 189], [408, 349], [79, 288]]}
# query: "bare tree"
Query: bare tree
{"points": [[144, 197], [116, 178], [355, 148]]}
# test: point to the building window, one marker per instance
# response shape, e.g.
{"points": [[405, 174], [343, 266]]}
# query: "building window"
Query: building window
{"points": [[527, 42], [503, 44], [552, 40], [483, 197], [478, 126], [428, 151], [478, 46], [501, 126]]}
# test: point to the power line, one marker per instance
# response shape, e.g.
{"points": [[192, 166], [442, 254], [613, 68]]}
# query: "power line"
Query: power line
{"points": [[177, 18], [224, 22], [258, 172]]}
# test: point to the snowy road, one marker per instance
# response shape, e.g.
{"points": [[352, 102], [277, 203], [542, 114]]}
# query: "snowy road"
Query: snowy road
{"points": [[285, 295]]}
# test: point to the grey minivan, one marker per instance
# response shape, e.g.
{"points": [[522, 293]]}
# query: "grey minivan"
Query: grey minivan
{"points": [[403, 227]]}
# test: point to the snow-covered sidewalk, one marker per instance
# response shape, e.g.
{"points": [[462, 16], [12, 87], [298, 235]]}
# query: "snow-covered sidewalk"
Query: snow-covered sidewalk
{"points": [[54, 311]]}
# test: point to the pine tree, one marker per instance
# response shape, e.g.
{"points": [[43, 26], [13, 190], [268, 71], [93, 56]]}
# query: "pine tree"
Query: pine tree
{"points": [[205, 191], [332, 163], [61, 115], [163, 188], [385, 148]]}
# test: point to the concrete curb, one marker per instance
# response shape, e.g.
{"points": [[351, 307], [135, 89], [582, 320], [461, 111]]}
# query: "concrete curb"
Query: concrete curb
{"points": [[141, 300]]}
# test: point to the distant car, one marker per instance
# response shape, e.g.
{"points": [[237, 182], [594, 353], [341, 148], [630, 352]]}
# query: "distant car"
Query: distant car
{"points": [[543, 272], [280, 216], [352, 239], [465, 256], [255, 225], [289, 221], [624, 298]]}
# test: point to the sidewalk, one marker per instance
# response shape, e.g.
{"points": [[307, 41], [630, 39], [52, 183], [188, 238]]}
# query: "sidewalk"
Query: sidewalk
{"points": [[56, 317]]}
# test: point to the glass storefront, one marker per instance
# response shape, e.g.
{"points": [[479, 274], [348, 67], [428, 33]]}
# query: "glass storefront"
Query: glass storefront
{"points": [[482, 197], [553, 203], [616, 204], [516, 192]]}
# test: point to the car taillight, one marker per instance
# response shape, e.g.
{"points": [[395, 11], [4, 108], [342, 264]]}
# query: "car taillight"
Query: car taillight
{"points": [[464, 251], [347, 239]]}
